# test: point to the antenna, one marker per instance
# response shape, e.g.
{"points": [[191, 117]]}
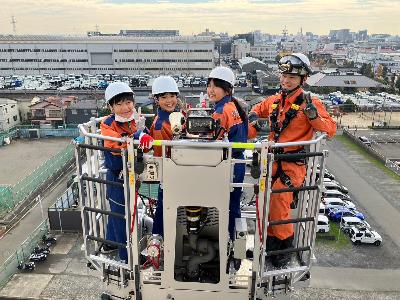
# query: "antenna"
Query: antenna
{"points": [[97, 27], [14, 24]]}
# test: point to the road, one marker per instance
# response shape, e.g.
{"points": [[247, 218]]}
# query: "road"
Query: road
{"points": [[14, 237]]}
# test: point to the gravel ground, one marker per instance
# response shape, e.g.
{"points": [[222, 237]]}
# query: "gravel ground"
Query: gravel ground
{"points": [[318, 294]]}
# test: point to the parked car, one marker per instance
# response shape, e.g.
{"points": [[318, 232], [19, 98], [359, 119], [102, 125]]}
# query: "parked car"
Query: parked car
{"points": [[337, 213], [331, 203], [335, 194], [323, 224], [348, 222], [365, 236], [335, 186], [327, 174], [364, 140]]}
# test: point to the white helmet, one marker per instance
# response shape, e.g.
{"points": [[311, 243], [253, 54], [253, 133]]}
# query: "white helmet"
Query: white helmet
{"points": [[117, 88], [164, 84], [223, 73], [295, 63]]}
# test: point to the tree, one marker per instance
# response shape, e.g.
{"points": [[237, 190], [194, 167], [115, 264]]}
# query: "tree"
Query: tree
{"points": [[367, 70], [379, 71], [397, 85], [349, 106]]}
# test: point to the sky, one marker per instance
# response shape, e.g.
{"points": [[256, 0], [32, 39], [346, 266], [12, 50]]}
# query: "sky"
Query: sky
{"points": [[194, 16]]}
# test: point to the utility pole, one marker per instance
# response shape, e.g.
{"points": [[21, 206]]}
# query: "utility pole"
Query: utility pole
{"points": [[14, 24]]}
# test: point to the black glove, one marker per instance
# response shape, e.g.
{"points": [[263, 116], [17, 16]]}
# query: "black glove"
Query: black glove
{"points": [[311, 111], [259, 125], [252, 117]]}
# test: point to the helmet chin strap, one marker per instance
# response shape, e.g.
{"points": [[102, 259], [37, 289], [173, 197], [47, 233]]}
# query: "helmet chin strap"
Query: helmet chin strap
{"points": [[286, 92]]}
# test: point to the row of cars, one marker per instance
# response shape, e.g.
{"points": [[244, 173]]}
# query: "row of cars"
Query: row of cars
{"points": [[337, 206], [64, 82]]}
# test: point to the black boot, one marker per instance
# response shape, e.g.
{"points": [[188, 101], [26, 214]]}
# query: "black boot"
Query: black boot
{"points": [[272, 245], [281, 260]]}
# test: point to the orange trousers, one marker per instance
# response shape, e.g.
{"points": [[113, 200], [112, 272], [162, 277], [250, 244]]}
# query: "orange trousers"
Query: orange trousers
{"points": [[279, 208]]}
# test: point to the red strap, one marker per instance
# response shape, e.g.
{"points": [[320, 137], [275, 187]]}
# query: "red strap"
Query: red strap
{"points": [[258, 220], [134, 211]]}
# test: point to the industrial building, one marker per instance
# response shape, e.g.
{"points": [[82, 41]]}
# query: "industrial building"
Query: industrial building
{"points": [[121, 55]]}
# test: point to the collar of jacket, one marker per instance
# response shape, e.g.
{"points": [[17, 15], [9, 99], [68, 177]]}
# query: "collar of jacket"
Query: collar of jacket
{"points": [[292, 97], [220, 104], [162, 114]]}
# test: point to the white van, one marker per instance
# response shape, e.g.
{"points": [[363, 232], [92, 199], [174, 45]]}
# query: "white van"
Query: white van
{"points": [[348, 222], [323, 224]]}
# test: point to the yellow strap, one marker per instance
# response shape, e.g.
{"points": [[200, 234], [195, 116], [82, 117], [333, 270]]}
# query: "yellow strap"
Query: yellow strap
{"points": [[234, 145], [295, 106]]}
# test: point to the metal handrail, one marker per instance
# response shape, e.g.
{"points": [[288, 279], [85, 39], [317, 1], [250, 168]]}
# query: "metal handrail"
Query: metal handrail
{"points": [[216, 144]]}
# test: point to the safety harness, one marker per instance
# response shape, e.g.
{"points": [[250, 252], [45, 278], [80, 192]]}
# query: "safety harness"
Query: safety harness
{"points": [[277, 129]]}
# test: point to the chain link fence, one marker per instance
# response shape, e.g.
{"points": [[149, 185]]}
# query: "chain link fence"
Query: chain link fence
{"points": [[21, 255], [34, 131], [11, 196]]}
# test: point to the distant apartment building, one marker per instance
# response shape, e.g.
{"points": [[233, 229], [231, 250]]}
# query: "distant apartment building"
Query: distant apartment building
{"points": [[264, 52], [240, 49], [148, 33], [121, 55], [341, 35], [300, 45], [9, 114]]}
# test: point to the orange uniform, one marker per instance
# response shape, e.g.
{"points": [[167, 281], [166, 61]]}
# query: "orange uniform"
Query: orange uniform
{"points": [[161, 129], [300, 128], [113, 162]]}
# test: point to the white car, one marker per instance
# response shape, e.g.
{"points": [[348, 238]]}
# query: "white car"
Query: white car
{"points": [[323, 224], [365, 236], [335, 194], [335, 186], [348, 222], [337, 202]]}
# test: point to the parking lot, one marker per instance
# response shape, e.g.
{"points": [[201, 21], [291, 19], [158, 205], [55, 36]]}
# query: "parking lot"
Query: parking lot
{"points": [[375, 194], [365, 119]]}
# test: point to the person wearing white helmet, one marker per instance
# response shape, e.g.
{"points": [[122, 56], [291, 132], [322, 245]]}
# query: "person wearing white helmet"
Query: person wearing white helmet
{"points": [[120, 99], [234, 122], [292, 115], [165, 93]]}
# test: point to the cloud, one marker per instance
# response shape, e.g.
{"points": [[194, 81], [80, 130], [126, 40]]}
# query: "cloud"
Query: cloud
{"points": [[191, 16]]}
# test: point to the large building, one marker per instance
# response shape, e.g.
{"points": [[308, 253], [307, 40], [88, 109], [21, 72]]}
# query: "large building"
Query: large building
{"points": [[240, 48], [122, 55], [9, 114]]}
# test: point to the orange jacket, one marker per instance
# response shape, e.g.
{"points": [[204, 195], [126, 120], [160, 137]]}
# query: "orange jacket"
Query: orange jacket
{"points": [[300, 127], [227, 113], [161, 129], [110, 127]]}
